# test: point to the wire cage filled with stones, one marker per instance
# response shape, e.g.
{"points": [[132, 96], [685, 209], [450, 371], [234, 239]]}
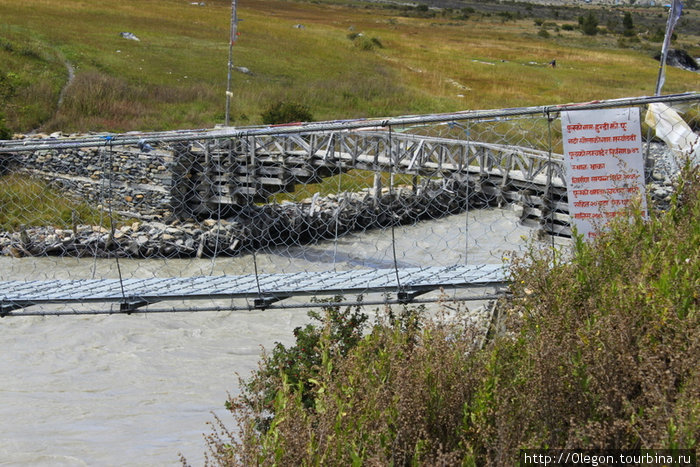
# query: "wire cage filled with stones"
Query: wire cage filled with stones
{"points": [[397, 206]]}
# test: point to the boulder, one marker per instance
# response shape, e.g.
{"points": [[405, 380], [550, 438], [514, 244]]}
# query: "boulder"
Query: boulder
{"points": [[130, 36], [680, 59]]}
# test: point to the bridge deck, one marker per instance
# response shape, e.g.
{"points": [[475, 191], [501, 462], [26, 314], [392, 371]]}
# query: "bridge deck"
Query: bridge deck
{"points": [[266, 289]]}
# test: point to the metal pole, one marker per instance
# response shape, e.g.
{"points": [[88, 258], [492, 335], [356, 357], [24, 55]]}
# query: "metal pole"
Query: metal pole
{"points": [[673, 14], [232, 40]]}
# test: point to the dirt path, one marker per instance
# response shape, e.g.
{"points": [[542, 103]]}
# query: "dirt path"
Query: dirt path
{"points": [[71, 77]]}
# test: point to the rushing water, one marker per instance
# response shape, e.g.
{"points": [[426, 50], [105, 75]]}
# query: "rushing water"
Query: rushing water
{"points": [[139, 389]]}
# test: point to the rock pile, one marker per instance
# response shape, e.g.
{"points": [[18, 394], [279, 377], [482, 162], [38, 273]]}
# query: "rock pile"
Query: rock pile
{"points": [[663, 175], [252, 228], [132, 180]]}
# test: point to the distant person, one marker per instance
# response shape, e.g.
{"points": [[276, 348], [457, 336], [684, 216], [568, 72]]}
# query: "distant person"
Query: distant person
{"points": [[553, 63]]}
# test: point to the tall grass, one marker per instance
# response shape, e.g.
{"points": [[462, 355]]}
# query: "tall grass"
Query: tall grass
{"points": [[599, 351], [103, 102]]}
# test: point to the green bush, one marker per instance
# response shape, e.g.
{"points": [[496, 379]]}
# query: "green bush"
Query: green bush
{"points": [[588, 24], [363, 42], [5, 132], [660, 34], [286, 112], [340, 330], [608, 343], [507, 16], [628, 25], [599, 348]]}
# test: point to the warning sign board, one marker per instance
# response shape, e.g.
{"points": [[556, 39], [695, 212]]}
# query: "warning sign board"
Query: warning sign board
{"points": [[604, 165]]}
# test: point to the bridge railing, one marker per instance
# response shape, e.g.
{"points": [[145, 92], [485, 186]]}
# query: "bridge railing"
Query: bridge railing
{"points": [[394, 194]]}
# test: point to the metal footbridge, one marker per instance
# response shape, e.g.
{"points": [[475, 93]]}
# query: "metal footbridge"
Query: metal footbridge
{"points": [[235, 166], [110, 296]]}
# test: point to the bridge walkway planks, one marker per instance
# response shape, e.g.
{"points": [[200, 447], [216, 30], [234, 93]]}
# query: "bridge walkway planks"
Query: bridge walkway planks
{"points": [[131, 294]]}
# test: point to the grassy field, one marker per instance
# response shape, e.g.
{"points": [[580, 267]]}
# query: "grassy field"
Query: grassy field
{"points": [[345, 62]]}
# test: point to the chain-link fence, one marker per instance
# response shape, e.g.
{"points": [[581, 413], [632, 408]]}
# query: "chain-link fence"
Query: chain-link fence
{"points": [[256, 215]]}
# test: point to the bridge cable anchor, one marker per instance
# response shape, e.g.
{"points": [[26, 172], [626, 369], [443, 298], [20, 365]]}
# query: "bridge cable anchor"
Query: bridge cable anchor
{"points": [[406, 296], [8, 307], [263, 302], [132, 304]]}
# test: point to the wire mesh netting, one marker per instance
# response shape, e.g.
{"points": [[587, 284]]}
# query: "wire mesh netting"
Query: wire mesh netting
{"points": [[260, 214]]}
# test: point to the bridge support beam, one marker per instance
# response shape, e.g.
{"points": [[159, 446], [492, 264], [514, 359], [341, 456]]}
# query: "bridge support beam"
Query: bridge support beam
{"points": [[7, 307]]}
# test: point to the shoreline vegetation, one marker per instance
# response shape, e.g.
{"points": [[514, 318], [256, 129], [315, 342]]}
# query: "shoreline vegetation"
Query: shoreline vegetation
{"points": [[596, 349]]}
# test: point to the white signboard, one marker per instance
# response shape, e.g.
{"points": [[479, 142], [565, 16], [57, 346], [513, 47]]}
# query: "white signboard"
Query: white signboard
{"points": [[604, 165]]}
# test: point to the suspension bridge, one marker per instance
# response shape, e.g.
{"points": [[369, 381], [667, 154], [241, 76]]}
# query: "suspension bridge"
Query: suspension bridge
{"points": [[209, 176], [209, 171]]}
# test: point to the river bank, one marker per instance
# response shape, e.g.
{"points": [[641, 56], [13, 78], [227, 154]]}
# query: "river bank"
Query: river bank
{"points": [[136, 390]]}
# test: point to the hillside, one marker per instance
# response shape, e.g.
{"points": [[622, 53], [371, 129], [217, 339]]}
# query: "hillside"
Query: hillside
{"points": [[341, 61]]}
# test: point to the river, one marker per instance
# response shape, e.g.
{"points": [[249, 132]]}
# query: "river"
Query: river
{"points": [[137, 390]]}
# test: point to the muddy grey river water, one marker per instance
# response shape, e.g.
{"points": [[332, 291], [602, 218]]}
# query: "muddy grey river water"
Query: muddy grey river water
{"points": [[137, 390]]}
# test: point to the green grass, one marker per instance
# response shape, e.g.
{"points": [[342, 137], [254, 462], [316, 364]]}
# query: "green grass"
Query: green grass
{"points": [[31, 76], [175, 76], [351, 181], [28, 202]]}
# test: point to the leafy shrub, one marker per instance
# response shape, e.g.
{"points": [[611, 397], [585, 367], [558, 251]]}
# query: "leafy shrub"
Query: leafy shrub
{"points": [[543, 33], [396, 395], [286, 112], [628, 25], [568, 27], [660, 34], [508, 16], [600, 349], [464, 13], [612, 336], [340, 330]]}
